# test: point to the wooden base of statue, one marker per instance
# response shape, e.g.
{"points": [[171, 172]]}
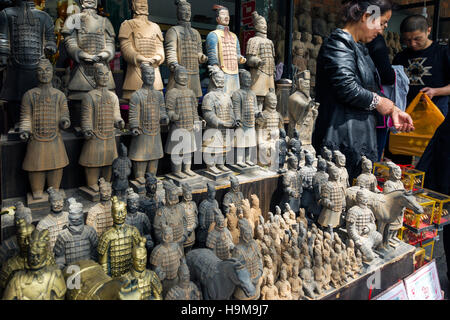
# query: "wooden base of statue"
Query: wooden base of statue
{"points": [[89, 194], [137, 186], [195, 182], [243, 170], [216, 177]]}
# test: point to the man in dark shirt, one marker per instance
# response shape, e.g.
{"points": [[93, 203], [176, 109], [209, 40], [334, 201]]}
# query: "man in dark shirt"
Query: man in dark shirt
{"points": [[427, 63]]}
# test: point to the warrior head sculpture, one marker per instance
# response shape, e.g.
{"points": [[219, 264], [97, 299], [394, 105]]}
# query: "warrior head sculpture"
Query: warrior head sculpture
{"points": [[56, 200], [105, 189], [172, 192], [148, 74], [183, 10], [222, 15], [245, 79], [217, 76], [140, 7], [118, 211], [76, 216], [187, 191], [139, 255], [132, 201], [151, 183], [270, 100], [259, 22], [38, 250]]}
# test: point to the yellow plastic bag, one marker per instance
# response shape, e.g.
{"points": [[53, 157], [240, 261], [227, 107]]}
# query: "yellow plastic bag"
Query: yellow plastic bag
{"points": [[426, 118]]}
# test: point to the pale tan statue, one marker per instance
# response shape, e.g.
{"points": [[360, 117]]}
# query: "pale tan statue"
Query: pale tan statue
{"points": [[296, 284], [232, 224], [99, 216], [284, 287], [269, 291], [140, 41], [255, 210]]}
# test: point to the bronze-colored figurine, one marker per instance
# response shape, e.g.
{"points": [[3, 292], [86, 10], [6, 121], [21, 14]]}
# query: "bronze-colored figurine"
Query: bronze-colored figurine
{"points": [[100, 114], [121, 170], [147, 112], [218, 113], [367, 179], [77, 241], [304, 18], [89, 39], [141, 41], [191, 216], [269, 291], [234, 196], [307, 172], [56, 220], [185, 289], [247, 251], [182, 104], [332, 199], [340, 160], [183, 45], [116, 244], [246, 111], [99, 216], [206, 214], [148, 282], [166, 258], [261, 58], [42, 279], [43, 112], [171, 214], [138, 219], [284, 287], [224, 51], [219, 239], [292, 185]]}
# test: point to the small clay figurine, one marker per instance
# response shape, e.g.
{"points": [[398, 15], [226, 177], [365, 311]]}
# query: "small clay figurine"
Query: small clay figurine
{"points": [[234, 196], [332, 200], [219, 239], [77, 241], [297, 43], [99, 216], [327, 272], [319, 271], [138, 219], [308, 37], [295, 146], [284, 287], [42, 279], [181, 104], [191, 214], [183, 45], [246, 110], [268, 269], [116, 244], [261, 58], [100, 115], [292, 185], [340, 160], [327, 155], [141, 41], [166, 258], [282, 148], [89, 39], [150, 202], [367, 179], [286, 259], [171, 214], [218, 112], [232, 224], [56, 220], [224, 51], [319, 25], [206, 214], [185, 289], [319, 179], [43, 112], [335, 276], [269, 291], [256, 212], [307, 172], [149, 284], [121, 170], [289, 216], [304, 18], [296, 284], [147, 113], [310, 287]]}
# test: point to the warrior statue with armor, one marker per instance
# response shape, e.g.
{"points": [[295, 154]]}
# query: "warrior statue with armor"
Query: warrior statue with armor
{"points": [[340, 160], [191, 213], [141, 41], [206, 214], [99, 216], [115, 245], [138, 219], [121, 170], [295, 147], [307, 173], [147, 113], [185, 289], [234, 196], [183, 45], [332, 199], [150, 202], [89, 39], [367, 179], [319, 179], [219, 239], [282, 147], [292, 185], [77, 241]]}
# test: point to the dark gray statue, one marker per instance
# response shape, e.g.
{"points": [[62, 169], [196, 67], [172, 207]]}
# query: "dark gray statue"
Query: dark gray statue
{"points": [[292, 185], [206, 214], [282, 148], [307, 172], [121, 170], [234, 196], [138, 219]]}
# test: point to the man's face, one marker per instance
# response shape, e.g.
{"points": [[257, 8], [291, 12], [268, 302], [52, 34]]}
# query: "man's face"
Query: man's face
{"points": [[105, 193], [148, 76], [262, 26], [223, 18], [363, 199], [367, 166], [211, 193], [24, 241], [168, 237], [304, 85], [341, 160], [235, 186], [187, 195], [57, 205], [184, 13], [89, 4], [45, 73], [139, 263], [416, 40]]}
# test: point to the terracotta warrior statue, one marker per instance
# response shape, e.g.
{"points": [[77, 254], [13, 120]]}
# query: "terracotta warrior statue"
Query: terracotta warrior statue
{"points": [[100, 115], [224, 51], [292, 185], [148, 282], [138, 219], [191, 216], [282, 147], [367, 179], [121, 170], [261, 59], [340, 161], [295, 147], [41, 279], [307, 172], [89, 39], [332, 199], [99, 216], [219, 238], [115, 245], [150, 202], [256, 211], [206, 214], [269, 291], [141, 41], [310, 286], [319, 179], [77, 241], [234, 196], [43, 112], [185, 289], [304, 18], [182, 104], [183, 45], [57, 219], [246, 111], [26, 34], [147, 113], [299, 58], [284, 286]]}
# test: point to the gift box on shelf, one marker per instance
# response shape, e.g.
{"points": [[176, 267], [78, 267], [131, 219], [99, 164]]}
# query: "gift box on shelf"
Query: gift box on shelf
{"points": [[412, 178], [419, 258], [424, 240], [424, 221], [442, 207], [381, 172]]}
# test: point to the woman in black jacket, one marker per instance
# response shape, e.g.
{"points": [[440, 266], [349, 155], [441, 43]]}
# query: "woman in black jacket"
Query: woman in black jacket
{"points": [[348, 86]]}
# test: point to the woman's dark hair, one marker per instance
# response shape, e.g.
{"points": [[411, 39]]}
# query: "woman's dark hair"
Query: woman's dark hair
{"points": [[353, 10]]}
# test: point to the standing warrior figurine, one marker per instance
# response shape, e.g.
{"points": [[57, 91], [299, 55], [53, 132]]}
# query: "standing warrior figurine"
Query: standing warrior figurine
{"points": [[89, 39], [340, 160], [141, 41], [219, 239], [218, 113], [246, 110], [99, 216], [182, 106], [206, 214], [138, 219], [292, 185], [367, 179], [319, 179], [148, 282], [150, 202], [183, 46], [43, 112], [224, 51], [307, 172], [185, 289], [282, 148], [234, 196], [295, 146], [121, 170], [26, 34], [116, 244], [100, 114], [147, 113], [77, 241], [57, 219], [332, 199], [191, 214], [261, 58]]}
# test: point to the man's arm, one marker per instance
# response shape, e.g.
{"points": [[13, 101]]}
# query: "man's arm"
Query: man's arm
{"points": [[436, 92]]}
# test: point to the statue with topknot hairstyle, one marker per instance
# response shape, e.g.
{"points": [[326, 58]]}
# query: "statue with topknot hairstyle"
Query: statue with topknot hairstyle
{"points": [[367, 179], [138, 219], [206, 214], [99, 216], [191, 216]]}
